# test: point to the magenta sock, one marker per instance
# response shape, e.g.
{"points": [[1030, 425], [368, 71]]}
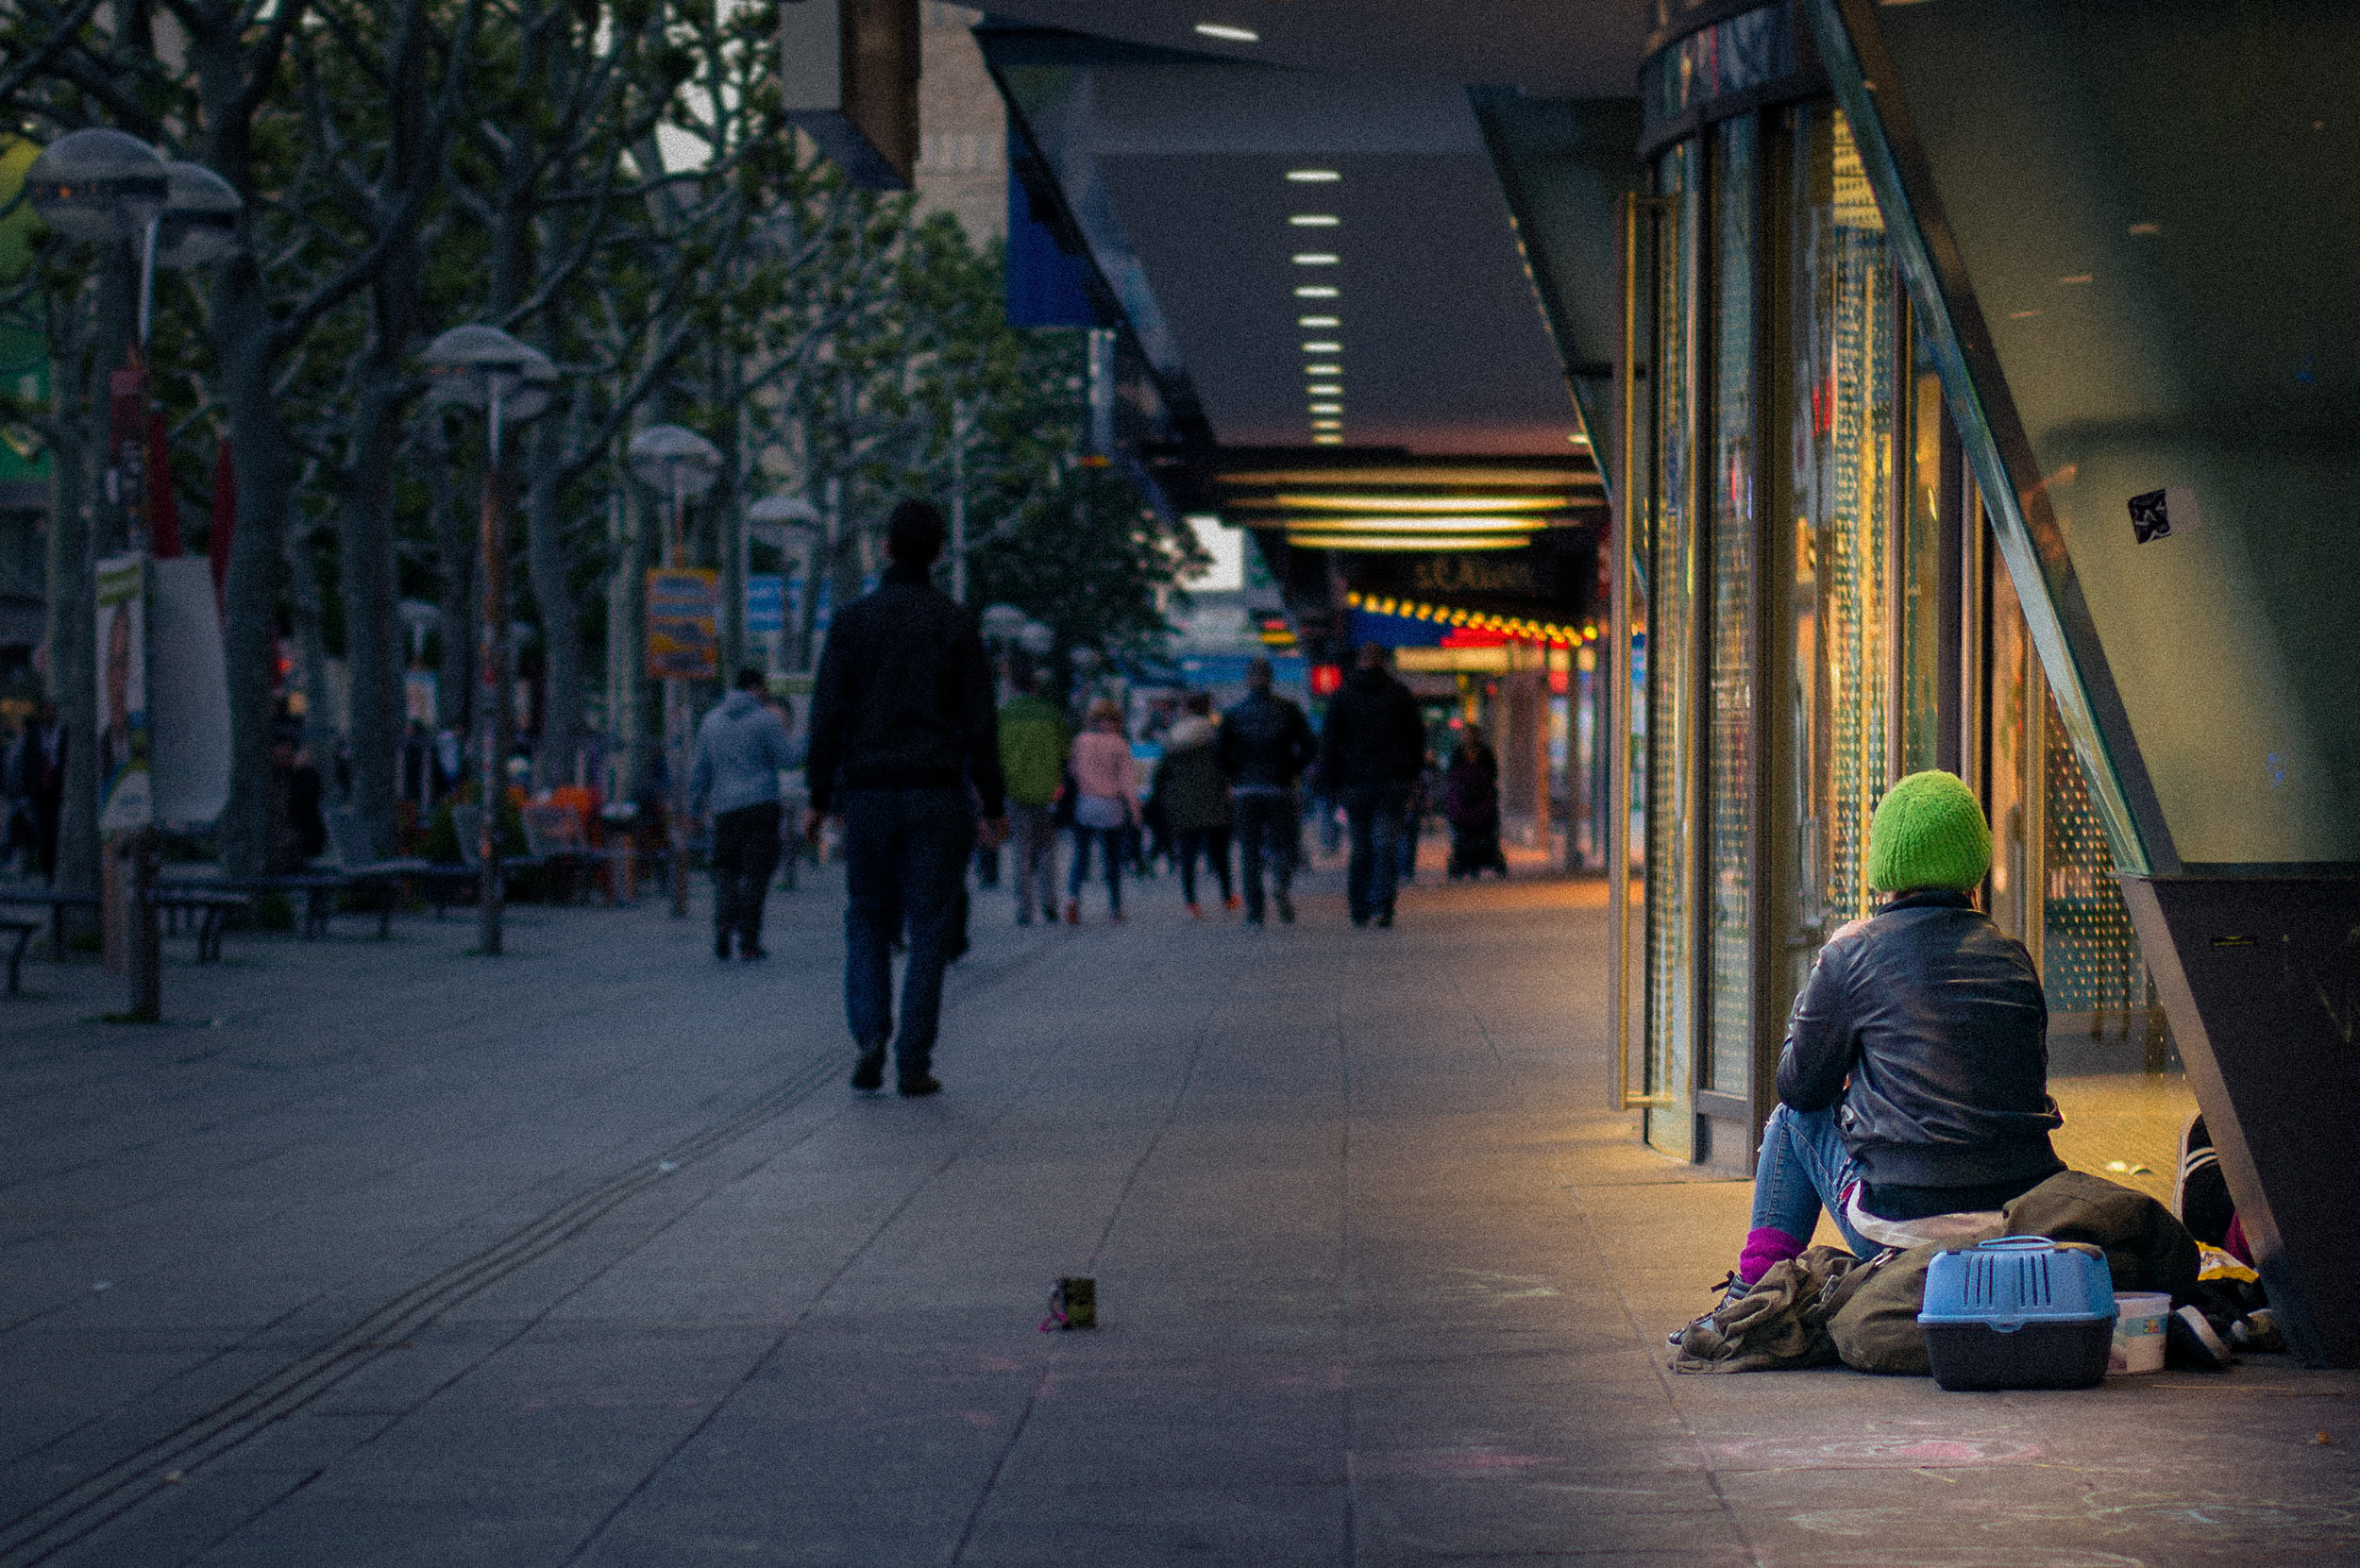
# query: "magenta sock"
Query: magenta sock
{"points": [[1765, 1247]]}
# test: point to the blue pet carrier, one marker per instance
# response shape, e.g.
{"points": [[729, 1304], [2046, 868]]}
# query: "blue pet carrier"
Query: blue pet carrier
{"points": [[2021, 1312]]}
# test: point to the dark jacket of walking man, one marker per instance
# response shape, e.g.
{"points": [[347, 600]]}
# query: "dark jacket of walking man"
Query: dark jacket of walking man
{"points": [[1265, 745], [741, 746], [902, 725], [1371, 751]]}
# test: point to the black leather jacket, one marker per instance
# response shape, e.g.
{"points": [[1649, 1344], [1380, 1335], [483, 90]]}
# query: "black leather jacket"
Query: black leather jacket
{"points": [[1929, 1023], [1265, 743]]}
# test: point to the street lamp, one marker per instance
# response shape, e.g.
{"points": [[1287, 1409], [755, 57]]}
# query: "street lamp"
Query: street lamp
{"points": [[483, 367], [682, 465], [107, 188]]}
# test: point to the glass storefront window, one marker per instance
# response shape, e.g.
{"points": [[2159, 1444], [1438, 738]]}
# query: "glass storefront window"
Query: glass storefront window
{"points": [[1844, 338], [1921, 608], [1671, 637], [1736, 198]]}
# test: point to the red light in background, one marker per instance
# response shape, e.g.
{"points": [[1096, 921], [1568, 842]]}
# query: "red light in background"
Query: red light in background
{"points": [[1326, 680], [1560, 683]]}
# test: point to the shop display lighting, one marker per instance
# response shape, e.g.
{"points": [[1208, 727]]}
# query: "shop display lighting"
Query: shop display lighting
{"points": [[1514, 626], [1316, 258], [1315, 220], [1318, 321], [1313, 176], [1318, 291]]}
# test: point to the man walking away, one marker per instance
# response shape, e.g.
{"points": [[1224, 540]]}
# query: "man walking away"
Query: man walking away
{"points": [[1034, 740], [741, 746], [1370, 754], [902, 721], [1265, 745]]}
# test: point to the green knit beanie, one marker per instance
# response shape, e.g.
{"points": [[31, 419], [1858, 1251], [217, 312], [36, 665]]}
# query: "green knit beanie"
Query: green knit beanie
{"points": [[1929, 832]]}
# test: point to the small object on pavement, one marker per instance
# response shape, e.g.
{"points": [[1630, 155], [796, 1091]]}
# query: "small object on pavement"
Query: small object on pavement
{"points": [[2139, 1331], [1072, 1304]]}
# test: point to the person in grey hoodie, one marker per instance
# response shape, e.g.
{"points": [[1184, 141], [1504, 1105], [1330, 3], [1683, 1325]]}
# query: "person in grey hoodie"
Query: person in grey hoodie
{"points": [[741, 746]]}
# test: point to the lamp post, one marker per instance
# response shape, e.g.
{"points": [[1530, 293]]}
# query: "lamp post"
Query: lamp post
{"points": [[483, 367], [681, 465], [108, 189], [777, 520]]}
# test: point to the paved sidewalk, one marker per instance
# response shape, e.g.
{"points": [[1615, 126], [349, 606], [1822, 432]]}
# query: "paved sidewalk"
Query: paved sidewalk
{"points": [[383, 1255]]}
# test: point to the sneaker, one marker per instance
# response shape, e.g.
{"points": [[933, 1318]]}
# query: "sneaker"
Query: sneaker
{"points": [[2191, 1341], [2200, 1192], [1731, 1290], [869, 1073], [921, 1086], [1195, 913], [1115, 918], [754, 951], [721, 944], [1024, 917], [1073, 913], [1233, 903], [1286, 908], [1385, 920]]}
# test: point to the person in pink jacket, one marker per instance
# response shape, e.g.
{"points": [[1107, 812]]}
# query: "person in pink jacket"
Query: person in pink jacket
{"points": [[1107, 803]]}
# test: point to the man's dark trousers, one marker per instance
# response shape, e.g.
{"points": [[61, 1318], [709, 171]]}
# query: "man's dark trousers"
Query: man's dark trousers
{"points": [[1373, 814], [745, 857], [1267, 824], [904, 858]]}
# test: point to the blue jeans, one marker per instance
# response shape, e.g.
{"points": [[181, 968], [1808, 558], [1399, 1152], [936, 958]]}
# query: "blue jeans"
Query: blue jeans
{"points": [[1267, 823], [1804, 1167], [904, 857], [1374, 813], [1109, 843]]}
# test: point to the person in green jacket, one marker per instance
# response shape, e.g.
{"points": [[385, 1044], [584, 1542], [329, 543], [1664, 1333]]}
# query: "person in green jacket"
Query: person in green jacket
{"points": [[1034, 740]]}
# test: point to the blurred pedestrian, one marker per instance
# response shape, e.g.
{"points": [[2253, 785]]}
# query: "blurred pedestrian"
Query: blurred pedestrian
{"points": [[1264, 746], [1470, 801], [901, 724], [1370, 753], [37, 781], [1106, 807], [742, 746], [1195, 801], [1034, 740]]}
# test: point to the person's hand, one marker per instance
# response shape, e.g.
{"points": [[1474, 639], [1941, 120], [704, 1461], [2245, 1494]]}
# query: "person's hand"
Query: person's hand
{"points": [[813, 818], [992, 832]]}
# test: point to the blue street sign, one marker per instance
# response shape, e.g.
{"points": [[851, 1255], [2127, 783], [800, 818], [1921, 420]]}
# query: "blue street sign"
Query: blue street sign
{"points": [[766, 604]]}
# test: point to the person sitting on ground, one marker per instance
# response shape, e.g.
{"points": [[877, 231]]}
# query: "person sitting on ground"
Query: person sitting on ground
{"points": [[1913, 1086]]}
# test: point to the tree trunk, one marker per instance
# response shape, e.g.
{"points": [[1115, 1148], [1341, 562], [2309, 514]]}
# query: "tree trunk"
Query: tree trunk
{"points": [[240, 328], [373, 644], [70, 624], [552, 586]]}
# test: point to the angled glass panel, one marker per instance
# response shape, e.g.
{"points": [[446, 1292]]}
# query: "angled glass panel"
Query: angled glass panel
{"points": [[2152, 209]]}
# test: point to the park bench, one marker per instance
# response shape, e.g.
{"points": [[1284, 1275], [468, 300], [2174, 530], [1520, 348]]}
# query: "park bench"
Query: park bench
{"points": [[557, 838], [208, 910], [57, 903], [23, 930], [468, 824]]}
